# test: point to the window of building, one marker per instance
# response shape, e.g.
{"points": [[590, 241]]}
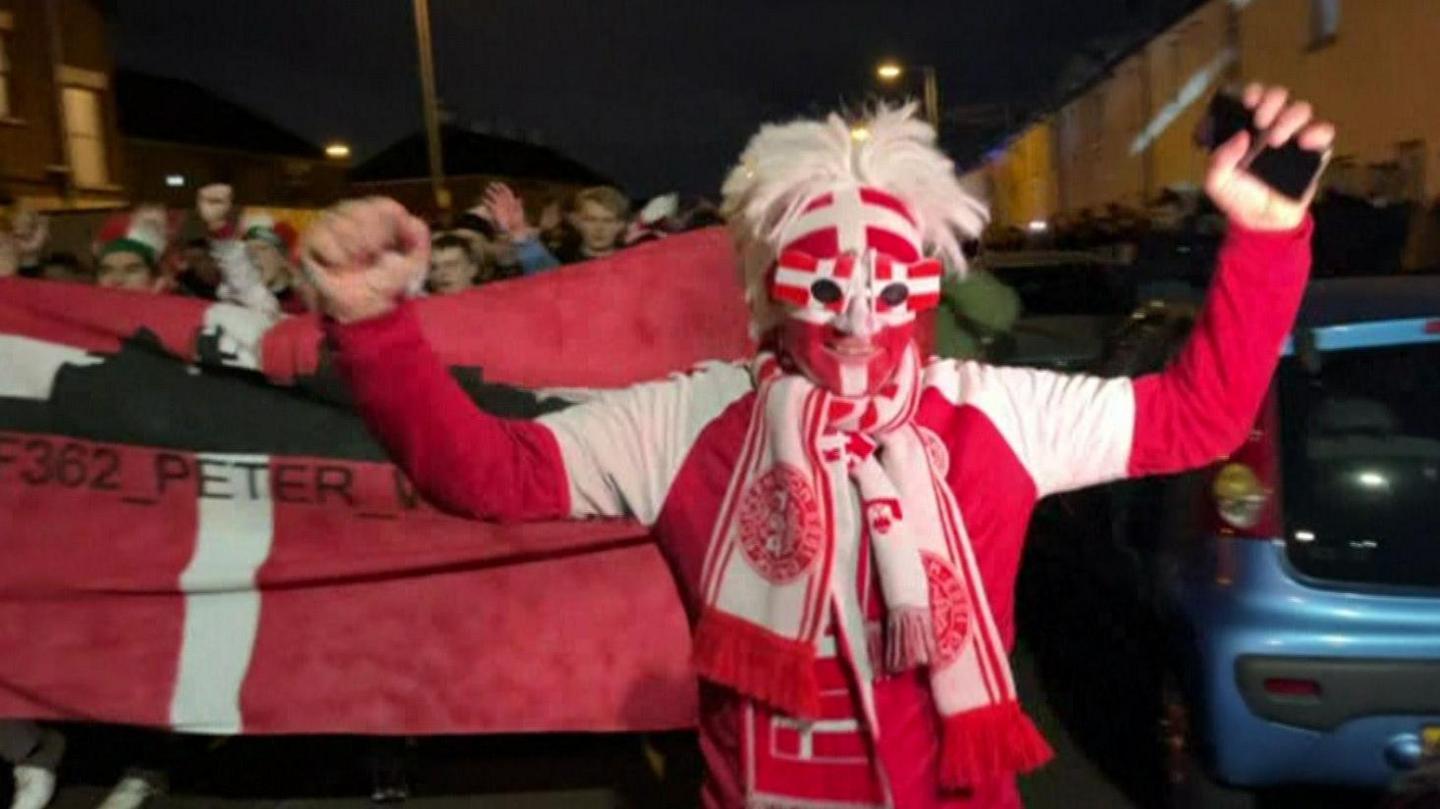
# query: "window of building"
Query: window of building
{"points": [[85, 137], [1324, 22]]}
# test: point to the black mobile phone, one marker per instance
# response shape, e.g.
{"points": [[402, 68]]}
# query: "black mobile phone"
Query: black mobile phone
{"points": [[1288, 169]]}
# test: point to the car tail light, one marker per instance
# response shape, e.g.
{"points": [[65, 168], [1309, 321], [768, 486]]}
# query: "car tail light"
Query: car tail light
{"points": [[1240, 496], [1245, 487]]}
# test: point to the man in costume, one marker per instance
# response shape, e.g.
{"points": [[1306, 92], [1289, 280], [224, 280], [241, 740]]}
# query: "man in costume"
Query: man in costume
{"points": [[844, 518]]}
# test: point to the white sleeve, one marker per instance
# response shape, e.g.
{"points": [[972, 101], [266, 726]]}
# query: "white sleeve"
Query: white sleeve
{"points": [[1068, 430], [623, 448]]}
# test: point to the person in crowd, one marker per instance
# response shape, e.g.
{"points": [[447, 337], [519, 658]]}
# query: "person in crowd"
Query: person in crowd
{"points": [[454, 265], [215, 207], [844, 516], [599, 215], [31, 233], [242, 269], [507, 211], [131, 260], [22, 237], [267, 245], [493, 247], [974, 312], [659, 218], [199, 274]]}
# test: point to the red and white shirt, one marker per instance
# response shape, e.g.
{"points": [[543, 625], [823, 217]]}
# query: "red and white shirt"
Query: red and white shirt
{"points": [[664, 452]]}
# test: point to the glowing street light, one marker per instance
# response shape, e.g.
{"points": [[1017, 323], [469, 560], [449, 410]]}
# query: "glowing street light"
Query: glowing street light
{"points": [[859, 134], [892, 71], [337, 150]]}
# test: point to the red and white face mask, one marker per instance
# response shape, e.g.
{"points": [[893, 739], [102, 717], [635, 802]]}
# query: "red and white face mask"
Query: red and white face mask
{"points": [[853, 279]]}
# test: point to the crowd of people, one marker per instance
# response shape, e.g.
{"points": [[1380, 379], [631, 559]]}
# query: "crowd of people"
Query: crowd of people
{"points": [[218, 252]]}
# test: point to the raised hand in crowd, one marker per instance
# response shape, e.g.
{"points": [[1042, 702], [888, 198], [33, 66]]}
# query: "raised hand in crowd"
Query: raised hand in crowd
{"points": [[1244, 198], [363, 255], [507, 212]]}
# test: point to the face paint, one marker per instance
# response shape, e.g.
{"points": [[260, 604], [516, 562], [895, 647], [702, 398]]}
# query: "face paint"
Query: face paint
{"points": [[851, 276]]}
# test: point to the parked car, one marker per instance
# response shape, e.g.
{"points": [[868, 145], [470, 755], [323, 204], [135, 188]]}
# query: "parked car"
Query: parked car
{"points": [[1286, 601]]}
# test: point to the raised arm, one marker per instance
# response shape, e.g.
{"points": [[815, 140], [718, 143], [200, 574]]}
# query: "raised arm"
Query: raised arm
{"points": [[361, 257], [462, 458], [614, 455], [1074, 431]]}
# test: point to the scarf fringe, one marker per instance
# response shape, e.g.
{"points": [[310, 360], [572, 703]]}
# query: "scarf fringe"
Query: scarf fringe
{"points": [[909, 639], [991, 742], [757, 663], [753, 802]]}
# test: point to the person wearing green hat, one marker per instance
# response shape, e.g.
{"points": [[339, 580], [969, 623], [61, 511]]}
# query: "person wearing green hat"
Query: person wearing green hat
{"points": [[132, 260]]}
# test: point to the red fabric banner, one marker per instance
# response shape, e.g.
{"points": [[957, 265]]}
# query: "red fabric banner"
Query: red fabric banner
{"points": [[187, 544]]}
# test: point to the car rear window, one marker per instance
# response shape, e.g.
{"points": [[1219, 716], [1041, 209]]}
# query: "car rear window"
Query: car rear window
{"points": [[1361, 464]]}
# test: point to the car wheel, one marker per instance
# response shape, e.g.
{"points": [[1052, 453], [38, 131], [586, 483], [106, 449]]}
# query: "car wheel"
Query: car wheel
{"points": [[1188, 784]]}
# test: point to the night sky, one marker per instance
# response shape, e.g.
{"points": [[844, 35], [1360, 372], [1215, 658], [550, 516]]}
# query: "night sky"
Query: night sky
{"points": [[658, 95]]}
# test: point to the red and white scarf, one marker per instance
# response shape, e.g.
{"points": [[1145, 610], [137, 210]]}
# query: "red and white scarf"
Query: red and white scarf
{"points": [[785, 554]]}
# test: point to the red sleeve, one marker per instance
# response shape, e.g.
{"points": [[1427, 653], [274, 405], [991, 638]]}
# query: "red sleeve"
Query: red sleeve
{"points": [[462, 458], [1202, 407]]}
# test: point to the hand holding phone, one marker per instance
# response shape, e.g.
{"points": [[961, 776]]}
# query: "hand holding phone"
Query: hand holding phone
{"points": [[1267, 154]]}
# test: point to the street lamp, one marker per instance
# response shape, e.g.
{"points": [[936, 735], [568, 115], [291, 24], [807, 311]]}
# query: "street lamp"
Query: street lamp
{"points": [[892, 71], [337, 150]]}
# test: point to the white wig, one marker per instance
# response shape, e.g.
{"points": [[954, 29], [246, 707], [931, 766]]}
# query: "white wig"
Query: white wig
{"points": [[786, 165]]}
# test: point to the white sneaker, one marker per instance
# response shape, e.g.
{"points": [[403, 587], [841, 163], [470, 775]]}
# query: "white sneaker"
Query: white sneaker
{"points": [[35, 776], [134, 790], [34, 787]]}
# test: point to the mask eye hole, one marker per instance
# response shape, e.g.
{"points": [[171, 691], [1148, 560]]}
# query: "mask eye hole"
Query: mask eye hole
{"points": [[894, 294], [826, 291]]}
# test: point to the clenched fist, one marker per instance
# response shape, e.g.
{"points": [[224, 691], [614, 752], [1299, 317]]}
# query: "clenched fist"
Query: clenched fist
{"points": [[362, 256]]}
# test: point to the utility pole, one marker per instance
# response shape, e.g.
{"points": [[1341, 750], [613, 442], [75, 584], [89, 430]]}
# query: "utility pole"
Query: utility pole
{"points": [[427, 92], [932, 97]]}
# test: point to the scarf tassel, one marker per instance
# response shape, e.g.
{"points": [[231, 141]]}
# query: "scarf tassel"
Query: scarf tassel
{"points": [[757, 663], [909, 639], [984, 744]]}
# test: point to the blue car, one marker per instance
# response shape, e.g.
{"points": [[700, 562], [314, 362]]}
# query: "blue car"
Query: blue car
{"points": [[1300, 578]]}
